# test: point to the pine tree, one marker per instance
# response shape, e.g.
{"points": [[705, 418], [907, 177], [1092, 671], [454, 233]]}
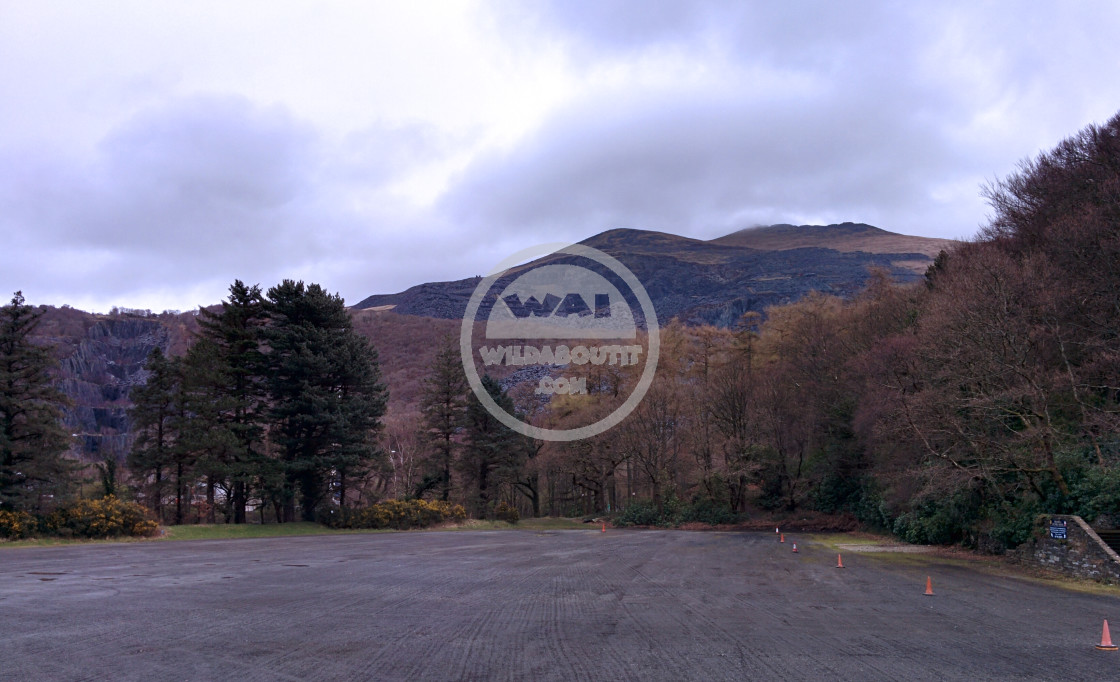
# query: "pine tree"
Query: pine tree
{"points": [[155, 416], [207, 432], [444, 405], [229, 391], [494, 454], [360, 404], [326, 392], [32, 439]]}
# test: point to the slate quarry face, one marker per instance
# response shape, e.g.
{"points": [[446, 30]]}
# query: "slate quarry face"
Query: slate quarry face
{"points": [[101, 358]]}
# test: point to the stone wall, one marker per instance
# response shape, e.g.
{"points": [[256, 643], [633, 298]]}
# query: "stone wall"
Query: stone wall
{"points": [[1082, 554]]}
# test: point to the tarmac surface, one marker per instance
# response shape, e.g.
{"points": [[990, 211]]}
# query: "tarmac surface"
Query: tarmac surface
{"points": [[516, 605]]}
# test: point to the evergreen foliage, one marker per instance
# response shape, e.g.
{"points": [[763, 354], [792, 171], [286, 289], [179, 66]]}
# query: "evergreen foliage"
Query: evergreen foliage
{"points": [[277, 400], [493, 454], [32, 439], [443, 405]]}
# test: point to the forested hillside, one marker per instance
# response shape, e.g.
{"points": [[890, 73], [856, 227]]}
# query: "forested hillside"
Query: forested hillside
{"points": [[953, 408]]}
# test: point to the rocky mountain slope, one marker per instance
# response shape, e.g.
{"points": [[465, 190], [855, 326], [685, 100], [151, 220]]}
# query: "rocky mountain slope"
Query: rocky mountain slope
{"points": [[715, 282], [101, 358]]}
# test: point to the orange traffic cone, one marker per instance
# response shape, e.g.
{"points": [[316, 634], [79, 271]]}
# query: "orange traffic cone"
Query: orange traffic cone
{"points": [[795, 548], [929, 586], [783, 538], [839, 562], [604, 528], [1106, 640]]}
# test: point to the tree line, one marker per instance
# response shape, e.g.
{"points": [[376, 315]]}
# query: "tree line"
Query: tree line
{"points": [[950, 410], [954, 409]]}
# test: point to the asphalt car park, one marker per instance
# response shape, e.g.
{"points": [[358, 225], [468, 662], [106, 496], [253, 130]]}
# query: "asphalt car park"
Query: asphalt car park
{"points": [[572, 605]]}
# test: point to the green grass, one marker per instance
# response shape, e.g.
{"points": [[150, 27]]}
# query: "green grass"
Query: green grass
{"points": [[991, 565], [273, 530], [545, 523], [58, 542], [833, 540], [553, 523], [198, 532], [224, 531]]}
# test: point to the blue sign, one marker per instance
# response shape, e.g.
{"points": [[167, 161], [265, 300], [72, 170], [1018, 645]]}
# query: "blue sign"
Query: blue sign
{"points": [[1058, 529]]}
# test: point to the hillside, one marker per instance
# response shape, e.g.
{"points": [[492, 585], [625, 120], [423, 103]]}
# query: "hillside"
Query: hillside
{"points": [[102, 356], [715, 282], [845, 237]]}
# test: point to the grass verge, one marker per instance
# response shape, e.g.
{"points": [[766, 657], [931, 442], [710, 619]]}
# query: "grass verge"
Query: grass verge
{"points": [[957, 557], [545, 523], [224, 531]]}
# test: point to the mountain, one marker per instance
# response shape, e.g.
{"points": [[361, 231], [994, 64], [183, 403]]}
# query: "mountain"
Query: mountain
{"points": [[102, 356], [716, 281]]}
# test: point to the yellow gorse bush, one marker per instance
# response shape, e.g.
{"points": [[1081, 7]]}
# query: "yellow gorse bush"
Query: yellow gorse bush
{"points": [[108, 517], [404, 514], [15, 525], [507, 512], [104, 518]]}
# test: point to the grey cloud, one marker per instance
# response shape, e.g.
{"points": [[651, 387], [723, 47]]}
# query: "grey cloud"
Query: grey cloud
{"points": [[192, 194], [377, 154], [690, 162], [185, 171], [213, 153], [788, 34], [736, 114], [617, 25], [812, 111]]}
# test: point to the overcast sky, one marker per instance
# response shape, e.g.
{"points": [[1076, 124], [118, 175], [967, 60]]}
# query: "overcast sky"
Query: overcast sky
{"points": [[152, 152]]}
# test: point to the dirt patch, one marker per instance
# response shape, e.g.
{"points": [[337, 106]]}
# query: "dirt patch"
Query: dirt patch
{"points": [[903, 549], [810, 522]]}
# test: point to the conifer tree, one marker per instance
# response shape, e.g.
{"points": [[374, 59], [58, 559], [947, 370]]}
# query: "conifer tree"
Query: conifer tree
{"points": [[229, 390], [32, 439], [155, 422], [443, 405], [494, 454], [327, 397]]}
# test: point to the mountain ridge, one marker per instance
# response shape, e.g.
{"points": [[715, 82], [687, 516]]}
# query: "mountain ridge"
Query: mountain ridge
{"points": [[716, 281], [843, 237]]}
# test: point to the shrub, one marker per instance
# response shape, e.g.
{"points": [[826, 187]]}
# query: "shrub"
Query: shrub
{"points": [[1096, 493], [16, 525], [673, 513], [507, 512], [971, 518], [400, 515], [708, 511], [872, 510], [105, 518], [639, 513]]}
